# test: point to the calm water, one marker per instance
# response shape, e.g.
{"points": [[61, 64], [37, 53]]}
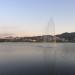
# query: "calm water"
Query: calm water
{"points": [[37, 59]]}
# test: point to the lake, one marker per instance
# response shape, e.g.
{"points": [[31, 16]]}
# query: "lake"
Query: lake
{"points": [[20, 58]]}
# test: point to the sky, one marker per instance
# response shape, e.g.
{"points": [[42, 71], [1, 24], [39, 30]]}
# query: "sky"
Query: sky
{"points": [[31, 17]]}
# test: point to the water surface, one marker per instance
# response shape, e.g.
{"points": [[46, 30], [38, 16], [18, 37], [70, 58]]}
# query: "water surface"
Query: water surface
{"points": [[37, 58]]}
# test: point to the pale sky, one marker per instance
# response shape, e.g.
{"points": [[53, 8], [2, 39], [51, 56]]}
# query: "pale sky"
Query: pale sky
{"points": [[31, 17]]}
